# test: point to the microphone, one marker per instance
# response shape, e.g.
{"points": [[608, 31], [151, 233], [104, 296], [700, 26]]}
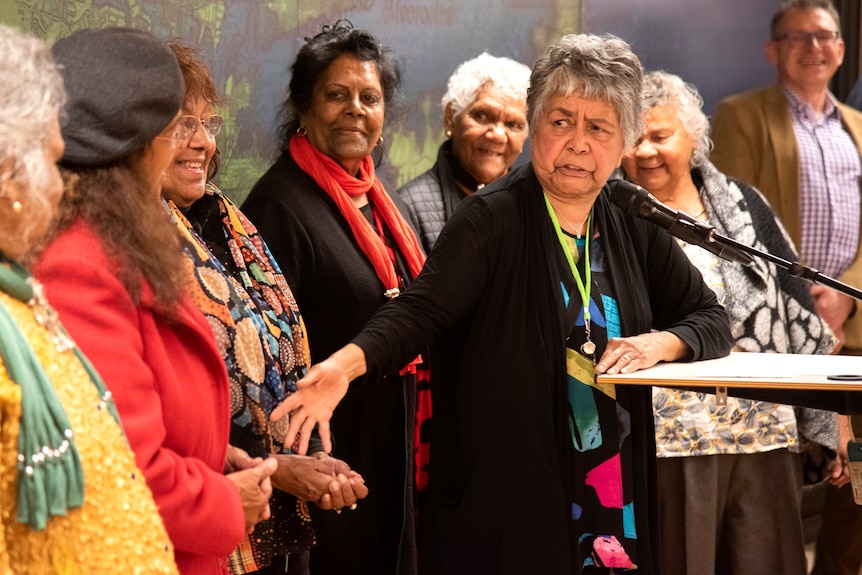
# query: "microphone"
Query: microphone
{"points": [[636, 201]]}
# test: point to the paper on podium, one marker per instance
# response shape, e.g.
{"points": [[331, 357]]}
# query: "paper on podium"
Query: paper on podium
{"points": [[756, 370]]}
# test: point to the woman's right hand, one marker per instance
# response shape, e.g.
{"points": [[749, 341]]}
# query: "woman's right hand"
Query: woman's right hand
{"points": [[255, 489], [317, 395]]}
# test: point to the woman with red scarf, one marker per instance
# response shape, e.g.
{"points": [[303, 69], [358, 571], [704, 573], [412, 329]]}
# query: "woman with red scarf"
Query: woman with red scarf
{"points": [[345, 249]]}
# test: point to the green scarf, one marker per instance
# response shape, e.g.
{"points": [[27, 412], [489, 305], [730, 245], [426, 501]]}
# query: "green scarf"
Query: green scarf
{"points": [[50, 477]]}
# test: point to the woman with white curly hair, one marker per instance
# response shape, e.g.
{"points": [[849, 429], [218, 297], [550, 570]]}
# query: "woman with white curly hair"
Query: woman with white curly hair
{"points": [[729, 479], [485, 118]]}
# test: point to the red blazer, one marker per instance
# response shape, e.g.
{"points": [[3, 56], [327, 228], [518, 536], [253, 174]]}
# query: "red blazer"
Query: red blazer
{"points": [[171, 389]]}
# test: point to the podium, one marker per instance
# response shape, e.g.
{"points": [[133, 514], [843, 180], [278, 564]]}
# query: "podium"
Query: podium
{"points": [[760, 370], [832, 382]]}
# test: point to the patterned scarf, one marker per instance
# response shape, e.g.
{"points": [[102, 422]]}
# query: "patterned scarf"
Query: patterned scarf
{"points": [[341, 186]]}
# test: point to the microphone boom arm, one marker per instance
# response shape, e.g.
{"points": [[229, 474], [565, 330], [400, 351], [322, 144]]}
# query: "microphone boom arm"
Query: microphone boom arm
{"points": [[795, 269]]}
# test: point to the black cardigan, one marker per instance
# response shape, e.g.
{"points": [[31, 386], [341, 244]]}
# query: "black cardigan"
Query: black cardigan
{"points": [[488, 302], [337, 291]]}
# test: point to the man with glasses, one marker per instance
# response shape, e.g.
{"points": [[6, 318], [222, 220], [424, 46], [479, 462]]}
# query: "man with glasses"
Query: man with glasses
{"points": [[801, 147], [796, 143]]}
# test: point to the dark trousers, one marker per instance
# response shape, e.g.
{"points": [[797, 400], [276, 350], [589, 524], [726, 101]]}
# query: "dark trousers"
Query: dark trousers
{"points": [[839, 543]]}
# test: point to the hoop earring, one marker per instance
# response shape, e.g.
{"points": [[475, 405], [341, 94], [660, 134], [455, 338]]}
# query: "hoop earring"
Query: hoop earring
{"points": [[380, 141], [301, 131]]}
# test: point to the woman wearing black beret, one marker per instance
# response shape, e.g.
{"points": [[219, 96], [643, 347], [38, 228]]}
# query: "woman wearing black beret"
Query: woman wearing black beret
{"points": [[117, 276]]}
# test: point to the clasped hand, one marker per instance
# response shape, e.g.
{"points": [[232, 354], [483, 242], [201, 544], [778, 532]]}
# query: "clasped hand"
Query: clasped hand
{"points": [[252, 478], [327, 481]]}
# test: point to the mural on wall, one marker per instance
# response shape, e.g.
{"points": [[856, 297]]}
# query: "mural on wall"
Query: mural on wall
{"points": [[249, 45]]}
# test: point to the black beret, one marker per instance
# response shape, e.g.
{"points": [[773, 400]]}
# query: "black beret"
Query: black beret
{"points": [[124, 87]]}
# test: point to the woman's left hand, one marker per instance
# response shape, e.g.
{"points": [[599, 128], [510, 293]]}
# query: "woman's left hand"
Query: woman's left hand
{"points": [[629, 354]]}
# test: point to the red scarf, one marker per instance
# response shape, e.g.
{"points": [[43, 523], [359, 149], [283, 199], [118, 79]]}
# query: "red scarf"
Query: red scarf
{"points": [[341, 186]]}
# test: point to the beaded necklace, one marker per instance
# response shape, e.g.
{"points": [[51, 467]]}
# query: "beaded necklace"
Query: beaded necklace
{"points": [[50, 478]]}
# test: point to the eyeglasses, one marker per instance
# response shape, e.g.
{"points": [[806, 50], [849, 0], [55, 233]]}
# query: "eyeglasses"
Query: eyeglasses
{"points": [[187, 126], [212, 124], [824, 38]]}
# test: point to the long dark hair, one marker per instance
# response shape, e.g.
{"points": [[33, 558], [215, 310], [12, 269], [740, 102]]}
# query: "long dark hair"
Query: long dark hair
{"points": [[315, 57]]}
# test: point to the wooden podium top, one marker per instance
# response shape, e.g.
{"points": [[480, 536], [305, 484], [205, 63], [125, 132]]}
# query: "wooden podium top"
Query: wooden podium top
{"points": [[753, 370]]}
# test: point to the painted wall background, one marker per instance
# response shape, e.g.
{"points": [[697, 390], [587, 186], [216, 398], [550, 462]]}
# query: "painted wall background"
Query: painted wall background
{"points": [[249, 45]]}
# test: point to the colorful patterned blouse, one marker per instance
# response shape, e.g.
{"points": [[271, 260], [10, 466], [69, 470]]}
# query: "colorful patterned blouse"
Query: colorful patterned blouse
{"points": [[260, 334], [603, 511], [691, 423]]}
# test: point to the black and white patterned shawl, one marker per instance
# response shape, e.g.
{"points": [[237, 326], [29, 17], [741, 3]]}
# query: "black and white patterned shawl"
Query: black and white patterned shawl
{"points": [[770, 310]]}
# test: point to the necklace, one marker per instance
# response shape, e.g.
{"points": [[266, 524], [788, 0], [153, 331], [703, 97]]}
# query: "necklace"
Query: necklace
{"points": [[569, 224], [15, 281], [588, 348]]}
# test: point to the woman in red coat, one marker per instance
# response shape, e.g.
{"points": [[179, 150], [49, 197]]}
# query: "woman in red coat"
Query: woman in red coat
{"points": [[123, 299]]}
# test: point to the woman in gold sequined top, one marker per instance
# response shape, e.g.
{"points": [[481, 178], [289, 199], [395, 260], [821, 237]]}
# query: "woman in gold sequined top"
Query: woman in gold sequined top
{"points": [[72, 499]]}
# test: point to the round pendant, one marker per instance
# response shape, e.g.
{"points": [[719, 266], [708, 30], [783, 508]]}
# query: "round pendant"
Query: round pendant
{"points": [[588, 348]]}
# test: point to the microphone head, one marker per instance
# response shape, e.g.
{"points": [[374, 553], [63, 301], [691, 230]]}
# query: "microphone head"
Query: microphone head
{"points": [[629, 197]]}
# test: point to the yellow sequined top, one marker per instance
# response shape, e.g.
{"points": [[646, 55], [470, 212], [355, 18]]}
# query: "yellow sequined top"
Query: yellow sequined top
{"points": [[118, 529]]}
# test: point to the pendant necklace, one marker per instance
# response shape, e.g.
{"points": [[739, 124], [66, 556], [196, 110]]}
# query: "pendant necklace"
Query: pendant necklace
{"points": [[584, 286]]}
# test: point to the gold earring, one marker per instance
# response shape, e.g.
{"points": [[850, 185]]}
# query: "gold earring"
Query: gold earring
{"points": [[17, 207]]}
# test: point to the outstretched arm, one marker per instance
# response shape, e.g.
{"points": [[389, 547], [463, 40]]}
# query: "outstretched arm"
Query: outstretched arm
{"points": [[318, 393]]}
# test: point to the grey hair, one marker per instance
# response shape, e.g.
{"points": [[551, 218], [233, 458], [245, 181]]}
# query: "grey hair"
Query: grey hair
{"points": [[31, 97], [792, 5], [594, 67], [507, 77], [665, 89]]}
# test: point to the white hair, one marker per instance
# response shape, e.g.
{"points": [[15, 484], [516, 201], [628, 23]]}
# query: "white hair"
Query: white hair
{"points": [[508, 78], [31, 97], [665, 89]]}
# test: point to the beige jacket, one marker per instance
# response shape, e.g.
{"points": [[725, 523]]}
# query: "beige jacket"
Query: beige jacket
{"points": [[754, 141]]}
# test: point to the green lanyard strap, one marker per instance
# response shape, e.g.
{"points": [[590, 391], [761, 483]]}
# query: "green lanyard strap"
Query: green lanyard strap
{"points": [[582, 288]]}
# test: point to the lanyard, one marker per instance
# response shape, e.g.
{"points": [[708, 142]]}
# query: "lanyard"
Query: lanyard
{"points": [[584, 286]]}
